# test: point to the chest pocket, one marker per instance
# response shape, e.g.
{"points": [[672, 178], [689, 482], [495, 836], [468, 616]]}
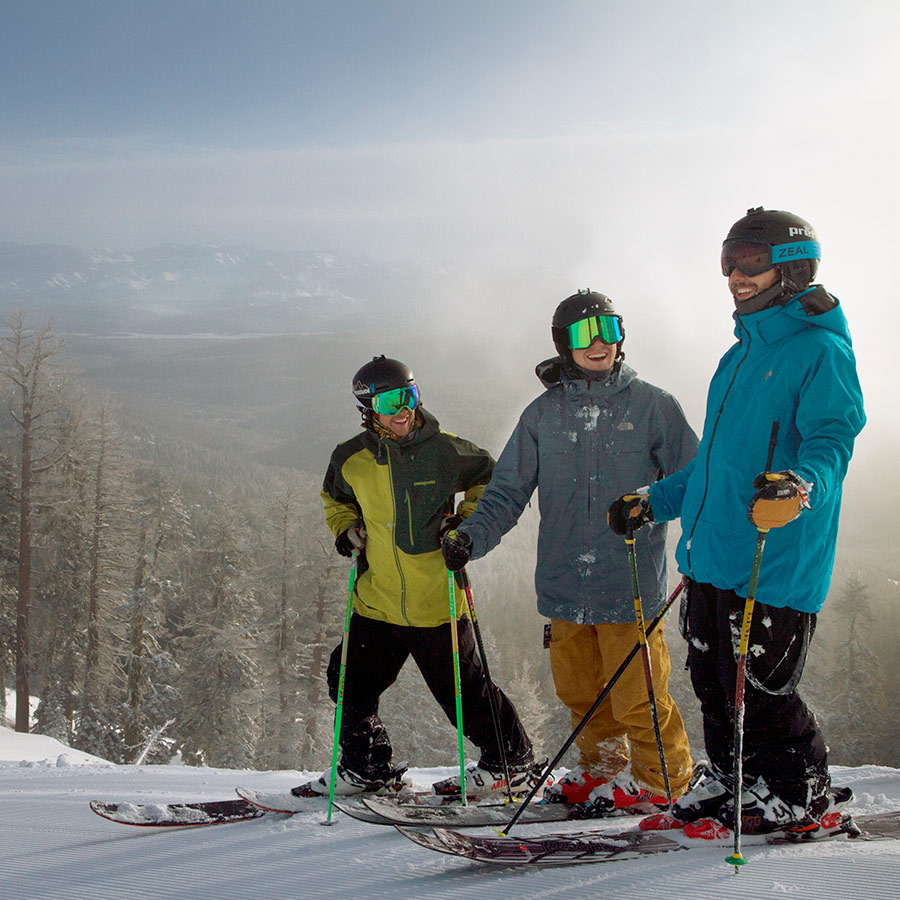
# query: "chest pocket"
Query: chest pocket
{"points": [[423, 503], [563, 458], [624, 437], [422, 485]]}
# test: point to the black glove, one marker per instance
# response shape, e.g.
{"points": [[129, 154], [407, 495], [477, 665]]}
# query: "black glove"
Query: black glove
{"points": [[350, 541], [457, 548], [780, 497], [448, 523], [630, 511]]}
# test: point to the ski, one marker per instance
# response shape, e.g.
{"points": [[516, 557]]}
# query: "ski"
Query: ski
{"points": [[224, 812], [592, 847], [492, 812], [286, 803], [177, 815]]}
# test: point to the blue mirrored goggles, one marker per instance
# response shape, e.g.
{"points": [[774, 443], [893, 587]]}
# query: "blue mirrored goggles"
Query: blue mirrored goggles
{"points": [[752, 259], [583, 333], [388, 403]]}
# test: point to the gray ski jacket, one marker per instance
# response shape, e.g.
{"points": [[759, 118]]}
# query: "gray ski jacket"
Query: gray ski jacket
{"points": [[582, 444]]}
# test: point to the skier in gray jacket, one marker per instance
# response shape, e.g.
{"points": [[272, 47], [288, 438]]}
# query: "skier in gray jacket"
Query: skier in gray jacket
{"points": [[597, 431]]}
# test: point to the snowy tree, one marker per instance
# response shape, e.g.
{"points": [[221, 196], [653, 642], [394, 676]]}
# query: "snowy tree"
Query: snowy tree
{"points": [[323, 604], [278, 652], [849, 692], [8, 536], [26, 364], [220, 680], [150, 670]]}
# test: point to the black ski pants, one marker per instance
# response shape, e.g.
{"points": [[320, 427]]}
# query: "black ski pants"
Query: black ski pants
{"points": [[376, 653], [782, 741]]}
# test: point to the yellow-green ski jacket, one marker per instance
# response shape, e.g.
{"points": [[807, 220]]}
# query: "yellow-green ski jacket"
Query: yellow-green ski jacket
{"points": [[401, 490]]}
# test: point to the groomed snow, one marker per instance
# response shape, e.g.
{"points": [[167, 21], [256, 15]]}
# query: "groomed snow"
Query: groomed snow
{"points": [[52, 847]]}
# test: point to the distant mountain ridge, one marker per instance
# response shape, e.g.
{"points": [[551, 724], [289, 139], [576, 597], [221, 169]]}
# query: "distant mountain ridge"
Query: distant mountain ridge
{"points": [[178, 289]]}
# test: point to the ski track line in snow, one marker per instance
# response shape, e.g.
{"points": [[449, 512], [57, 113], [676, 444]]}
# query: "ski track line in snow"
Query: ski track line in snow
{"points": [[297, 858], [52, 847]]}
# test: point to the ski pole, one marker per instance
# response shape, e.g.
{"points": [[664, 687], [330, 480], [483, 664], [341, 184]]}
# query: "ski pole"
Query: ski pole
{"points": [[454, 639], [339, 708], [596, 705], [737, 859], [492, 696], [645, 658]]}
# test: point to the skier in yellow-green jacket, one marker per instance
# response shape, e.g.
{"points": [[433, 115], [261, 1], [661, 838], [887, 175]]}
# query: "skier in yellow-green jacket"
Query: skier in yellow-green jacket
{"points": [[389, 496]]}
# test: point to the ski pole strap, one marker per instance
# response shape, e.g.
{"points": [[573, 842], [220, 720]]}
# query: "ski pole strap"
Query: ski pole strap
{"points": [[463, 577]]}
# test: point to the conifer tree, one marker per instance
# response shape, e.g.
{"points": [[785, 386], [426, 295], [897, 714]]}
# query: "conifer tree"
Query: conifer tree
{"points": [[220, 679], [26, 365]]}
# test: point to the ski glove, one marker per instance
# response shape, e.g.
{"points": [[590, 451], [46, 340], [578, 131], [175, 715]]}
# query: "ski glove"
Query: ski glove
{"points": [[780, 497], [630, 511], [448, 523], [352, 540], [457, 548]]}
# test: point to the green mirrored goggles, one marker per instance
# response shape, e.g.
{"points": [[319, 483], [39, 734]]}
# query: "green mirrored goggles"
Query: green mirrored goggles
{"points": [[583, 333], [390, 402]]}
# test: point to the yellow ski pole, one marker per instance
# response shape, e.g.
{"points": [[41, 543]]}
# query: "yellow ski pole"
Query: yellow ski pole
{"points": [[737, 859]]}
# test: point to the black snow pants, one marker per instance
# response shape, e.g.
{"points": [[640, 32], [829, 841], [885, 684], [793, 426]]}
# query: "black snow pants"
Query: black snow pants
{"points": [[376, 653], [782, 742]]}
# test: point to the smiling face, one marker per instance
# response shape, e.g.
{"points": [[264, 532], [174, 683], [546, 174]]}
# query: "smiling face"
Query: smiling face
{"points": [[399, 423], [599, 357], [743, 287]]}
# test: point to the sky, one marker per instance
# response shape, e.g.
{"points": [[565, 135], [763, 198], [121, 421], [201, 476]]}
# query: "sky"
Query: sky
{"points": [[612, 143]]}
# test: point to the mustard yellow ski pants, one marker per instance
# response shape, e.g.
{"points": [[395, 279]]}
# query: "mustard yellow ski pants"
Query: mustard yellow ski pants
{"points": [[582, 659]]}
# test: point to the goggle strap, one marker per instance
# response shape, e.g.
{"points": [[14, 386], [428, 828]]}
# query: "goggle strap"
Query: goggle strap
{"points": [[782, 253]]}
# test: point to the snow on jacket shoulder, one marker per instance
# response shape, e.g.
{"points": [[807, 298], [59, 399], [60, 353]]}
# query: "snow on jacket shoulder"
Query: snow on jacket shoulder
{"points": [[798, 369], [401, 490], [582, 444]]}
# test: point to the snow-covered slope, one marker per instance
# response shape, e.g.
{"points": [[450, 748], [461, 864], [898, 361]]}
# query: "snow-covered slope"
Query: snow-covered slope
{"points": [[53, 848]]}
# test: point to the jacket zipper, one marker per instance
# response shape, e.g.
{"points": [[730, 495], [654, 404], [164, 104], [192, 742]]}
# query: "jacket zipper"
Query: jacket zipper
{"points": [[390, 468], [409, 520], [712, 438]]}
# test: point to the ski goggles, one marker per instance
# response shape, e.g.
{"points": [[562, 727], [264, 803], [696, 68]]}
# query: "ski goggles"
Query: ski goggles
{"points": [[388, 403], [583, 333], [752, 259]]}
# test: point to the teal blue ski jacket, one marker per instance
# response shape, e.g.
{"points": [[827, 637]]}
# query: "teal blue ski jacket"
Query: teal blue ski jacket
{"points": [[793, 365]]}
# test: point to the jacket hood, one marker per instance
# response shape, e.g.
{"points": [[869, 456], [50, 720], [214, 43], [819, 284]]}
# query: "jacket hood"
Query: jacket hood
{"points": [[813, 308], [427, 426], [556, 371]]}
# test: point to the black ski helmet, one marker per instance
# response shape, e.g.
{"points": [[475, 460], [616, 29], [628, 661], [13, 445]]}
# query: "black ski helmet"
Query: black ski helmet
{"points": [[575, 308], [795, 248], [382, 374]]}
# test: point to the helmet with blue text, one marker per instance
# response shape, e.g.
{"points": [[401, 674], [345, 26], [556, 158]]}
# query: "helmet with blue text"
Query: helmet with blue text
{"points": [[766, 238]]}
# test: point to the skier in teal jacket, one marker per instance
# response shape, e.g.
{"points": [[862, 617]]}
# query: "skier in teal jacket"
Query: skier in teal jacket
{"points": [[783, 411]]}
